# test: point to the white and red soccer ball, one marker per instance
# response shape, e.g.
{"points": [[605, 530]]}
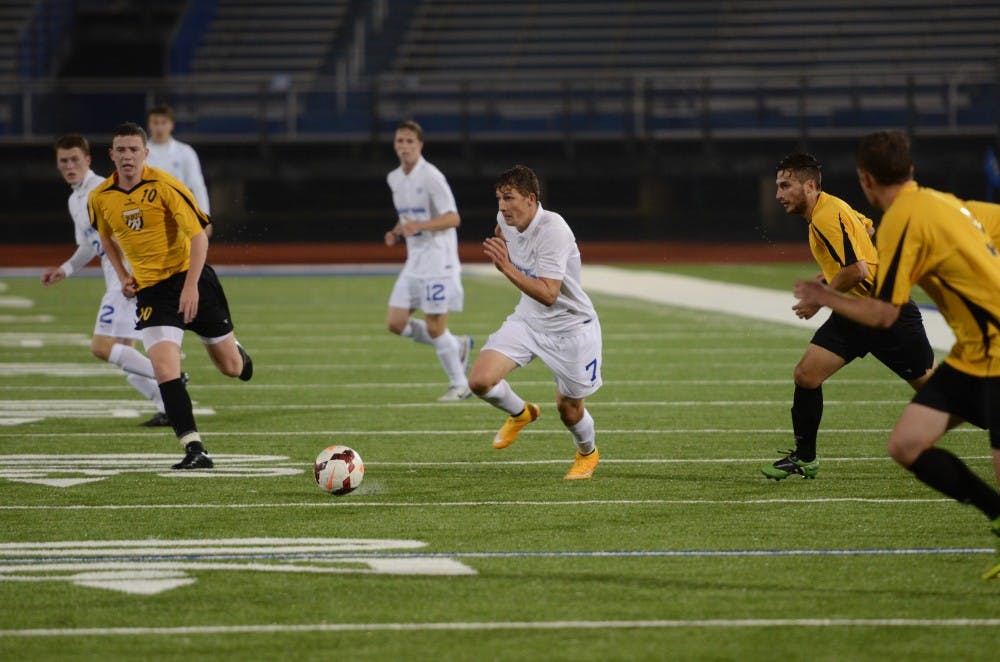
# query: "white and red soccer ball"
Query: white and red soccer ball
{"points": [[338, 469]]}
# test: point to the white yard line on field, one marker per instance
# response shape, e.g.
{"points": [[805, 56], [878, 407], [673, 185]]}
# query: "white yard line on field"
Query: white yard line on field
{"points": [[720, 623], [451, 433], [354, 503]]}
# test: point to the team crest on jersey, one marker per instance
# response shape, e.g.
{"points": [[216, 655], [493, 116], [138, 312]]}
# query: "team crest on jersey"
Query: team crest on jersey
{"points": [[133, 218]]}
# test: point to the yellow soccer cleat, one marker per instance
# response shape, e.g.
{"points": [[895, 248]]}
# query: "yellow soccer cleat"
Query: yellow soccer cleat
{"points": [[992, 573], [583, 466], [508, 433]]}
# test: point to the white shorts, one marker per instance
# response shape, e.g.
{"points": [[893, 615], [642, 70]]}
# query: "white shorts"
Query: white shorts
{"points": [[434, 296], [575, 361], [116, 316]]}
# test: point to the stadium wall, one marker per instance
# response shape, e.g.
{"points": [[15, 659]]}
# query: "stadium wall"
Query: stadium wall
{"points": [[610, 191]]}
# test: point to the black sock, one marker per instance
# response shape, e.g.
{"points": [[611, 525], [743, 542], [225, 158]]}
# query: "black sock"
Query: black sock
{"points": [[807, 411], [177, 403], [949, 475]]}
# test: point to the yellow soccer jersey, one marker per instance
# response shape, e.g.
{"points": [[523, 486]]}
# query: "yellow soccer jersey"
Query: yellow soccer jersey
{"points": [[153, 223], [987, 213], [838, 236], [926, 238]]}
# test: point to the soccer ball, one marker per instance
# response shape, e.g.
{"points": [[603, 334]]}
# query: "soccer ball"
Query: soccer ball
{"points": [[338, 469]]}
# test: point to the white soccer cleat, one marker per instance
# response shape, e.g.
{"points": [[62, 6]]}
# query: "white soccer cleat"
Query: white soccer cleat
{"points": [[456, 393], [465, 345]]}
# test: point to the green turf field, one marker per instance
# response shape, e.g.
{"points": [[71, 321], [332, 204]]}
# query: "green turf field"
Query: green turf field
{"points": [[678, 548]]}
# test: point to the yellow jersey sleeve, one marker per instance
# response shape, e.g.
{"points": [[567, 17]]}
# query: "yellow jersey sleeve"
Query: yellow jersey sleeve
{"points": [[838, 237], [988, 214]]}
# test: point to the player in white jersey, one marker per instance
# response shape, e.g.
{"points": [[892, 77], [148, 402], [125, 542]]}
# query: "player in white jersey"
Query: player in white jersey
{"points": [[431, 279], [114, 330], [554, 320], [177, 158]]}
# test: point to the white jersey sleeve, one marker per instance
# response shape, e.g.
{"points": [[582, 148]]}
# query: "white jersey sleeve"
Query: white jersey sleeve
{"points": [[181, 161], [193, 177], [87, 237]]}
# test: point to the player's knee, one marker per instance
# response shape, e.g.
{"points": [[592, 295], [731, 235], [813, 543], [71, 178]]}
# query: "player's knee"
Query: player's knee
{"points": [[903, 450], [232, 366], [806, 378], [395, 326], [479, 385], [570, 412], [100, 350]]}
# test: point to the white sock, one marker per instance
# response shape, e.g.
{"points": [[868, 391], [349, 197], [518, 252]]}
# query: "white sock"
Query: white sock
{"points": [[148, 387], [417, 330], [583, 434], [502, 396], [131, 360], [447, 347]]}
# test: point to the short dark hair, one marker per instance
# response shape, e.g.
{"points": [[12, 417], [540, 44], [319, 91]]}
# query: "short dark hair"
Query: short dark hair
{"points": [[886, 156], [73, 141], [130, 129], [521, 178], [411, 125], [162, 109], [804, 166]]}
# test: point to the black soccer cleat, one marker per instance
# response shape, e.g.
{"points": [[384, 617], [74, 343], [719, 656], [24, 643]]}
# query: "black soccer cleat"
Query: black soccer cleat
{"points": [[194, 460], [159, 420], [247, 372], [790, 465]]}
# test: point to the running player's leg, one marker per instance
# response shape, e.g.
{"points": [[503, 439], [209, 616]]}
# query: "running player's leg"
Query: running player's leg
{"points": [[576, 363], [162, 329], [403, 300], [835, 343], [227, 356], [912, 444], [214, 326], [163, 345], [438, 297], [948, 398], [449, 353], [113, 340], [816, 366], [505, 350]]}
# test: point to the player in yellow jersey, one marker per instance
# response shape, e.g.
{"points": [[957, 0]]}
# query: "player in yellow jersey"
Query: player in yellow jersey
{"points": [[156, 223], [840, 240], [931, 238]]}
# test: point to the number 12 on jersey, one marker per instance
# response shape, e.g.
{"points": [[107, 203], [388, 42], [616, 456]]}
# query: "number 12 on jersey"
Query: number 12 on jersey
{"points": [[434, 292]]}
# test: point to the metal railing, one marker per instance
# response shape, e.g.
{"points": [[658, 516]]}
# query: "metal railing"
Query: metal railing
{"points": [[652, 105]]}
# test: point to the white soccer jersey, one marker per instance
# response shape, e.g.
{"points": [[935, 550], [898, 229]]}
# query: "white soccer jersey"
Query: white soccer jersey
{"points": [[181, 161], [87, 237], [547, 249], [422, 195]]}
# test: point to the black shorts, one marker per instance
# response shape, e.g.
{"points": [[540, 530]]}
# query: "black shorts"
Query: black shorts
{"points": [[903, 347], [157, 305], [973, 399]]}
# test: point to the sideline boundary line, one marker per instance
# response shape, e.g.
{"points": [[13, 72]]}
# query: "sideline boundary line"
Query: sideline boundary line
{"points": [[719, 623]]}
